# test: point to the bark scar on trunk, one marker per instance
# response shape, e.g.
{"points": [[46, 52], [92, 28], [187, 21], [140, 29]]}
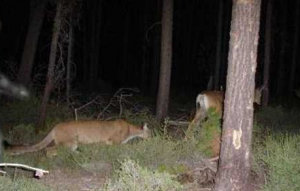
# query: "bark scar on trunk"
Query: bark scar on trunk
{"points": [[236, 139]]}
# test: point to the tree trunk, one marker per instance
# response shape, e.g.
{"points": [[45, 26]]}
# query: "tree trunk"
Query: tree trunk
{"points": [[226, 28], [235, 159], [86, 46], [156, 51], [295, 50], [96, 20], [267, 56], [34, 29], [70, 60], [219, 47], [162, 102], [51, 66], [123, 71], [144, 72], [281, 68]]}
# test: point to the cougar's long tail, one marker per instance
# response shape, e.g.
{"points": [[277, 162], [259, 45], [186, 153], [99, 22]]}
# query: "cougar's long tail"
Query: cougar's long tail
{"points": [[17, 150]]}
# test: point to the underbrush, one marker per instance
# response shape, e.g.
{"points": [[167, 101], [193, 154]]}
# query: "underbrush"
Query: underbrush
{"points": [[279, 158], [277, 148], [21, 184], [161, 153], [133, 177], [26, 112], [278, 118]]}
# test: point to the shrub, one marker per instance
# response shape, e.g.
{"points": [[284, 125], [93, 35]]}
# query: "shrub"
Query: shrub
{"points": [[280, 158], [132, 177]]}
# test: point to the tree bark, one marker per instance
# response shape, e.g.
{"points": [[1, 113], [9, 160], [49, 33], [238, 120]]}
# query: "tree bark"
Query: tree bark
{"points": [[156, 50], [267, 56], [162, 102], [295, 50], [96, 21], [219, 47], [34, 29], [281, 68], [70, 59], [51, 66], [235, 159]]}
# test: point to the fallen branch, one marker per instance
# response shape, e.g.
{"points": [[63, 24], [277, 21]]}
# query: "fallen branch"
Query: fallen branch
{"points": [[38, 172], [178, 123], [85, 105]]}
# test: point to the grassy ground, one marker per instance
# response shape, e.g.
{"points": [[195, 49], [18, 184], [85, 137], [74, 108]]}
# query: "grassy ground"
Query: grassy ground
{"points": [[164, 156]]}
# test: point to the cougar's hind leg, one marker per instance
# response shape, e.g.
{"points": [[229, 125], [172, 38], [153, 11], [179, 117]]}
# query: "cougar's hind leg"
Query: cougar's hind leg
{"points": [[71, 145]]}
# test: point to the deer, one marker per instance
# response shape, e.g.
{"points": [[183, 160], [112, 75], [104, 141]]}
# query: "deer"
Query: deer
{"points": [[214, 99]]}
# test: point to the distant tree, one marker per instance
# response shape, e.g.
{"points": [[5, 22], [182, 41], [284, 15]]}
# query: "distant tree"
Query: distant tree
{"points": [[283, 40], [37, 12], [295, 49], [70, 57], [219, 46], [235, 158], [51, 66], [92, 26], [267, 56], [162, 102], [156, 49]]}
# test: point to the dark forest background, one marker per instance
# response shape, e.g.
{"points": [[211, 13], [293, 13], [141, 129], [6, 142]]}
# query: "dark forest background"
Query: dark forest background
{"points": [[117, 44]]}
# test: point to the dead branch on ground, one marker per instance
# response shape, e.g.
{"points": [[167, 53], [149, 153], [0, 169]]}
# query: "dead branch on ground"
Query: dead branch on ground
{"points": [[39, 173]]}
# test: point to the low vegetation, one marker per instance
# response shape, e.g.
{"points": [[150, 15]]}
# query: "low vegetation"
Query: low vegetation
{"points": [[133, 177], [162, 157]]}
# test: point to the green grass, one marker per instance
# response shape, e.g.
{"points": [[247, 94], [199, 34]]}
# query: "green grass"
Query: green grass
{"points": [[133, 177], [276, 143], [21, 184], [280, 160]]}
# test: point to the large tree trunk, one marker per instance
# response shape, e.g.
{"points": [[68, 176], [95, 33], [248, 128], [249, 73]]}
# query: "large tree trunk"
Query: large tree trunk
{"points": [[35, 24], [162, 102], [51, 66], [219, 47], [295, 49], [235, 159], [267, 59]]}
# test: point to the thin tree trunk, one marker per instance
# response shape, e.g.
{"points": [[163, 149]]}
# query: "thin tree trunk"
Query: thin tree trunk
{"points": [[96, 20], [144, 73], [166, 61], [267, 57], [282, 61], [235, 159], [156, 51], [70, 60], [219, 47], [227, 19], [86, 46], [51, 66], [295, 50], [124, 66], [34, 29]]}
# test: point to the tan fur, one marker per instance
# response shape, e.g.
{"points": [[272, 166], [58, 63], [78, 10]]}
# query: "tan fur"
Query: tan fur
{"points": [[214, 99], [70, 134]]}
